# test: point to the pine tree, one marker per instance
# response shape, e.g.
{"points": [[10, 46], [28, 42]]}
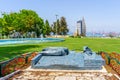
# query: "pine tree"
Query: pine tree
{"points": [[47, 27], [63, 26]]}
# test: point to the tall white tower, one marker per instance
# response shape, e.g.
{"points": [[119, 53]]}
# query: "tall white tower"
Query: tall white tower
{"points": [[81, 27]]}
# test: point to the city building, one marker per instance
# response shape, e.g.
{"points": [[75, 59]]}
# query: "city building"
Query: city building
{"points": [[81, 27]]}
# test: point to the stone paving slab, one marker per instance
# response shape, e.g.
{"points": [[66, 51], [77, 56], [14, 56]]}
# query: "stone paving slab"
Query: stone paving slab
{"points": [[65, 78]]}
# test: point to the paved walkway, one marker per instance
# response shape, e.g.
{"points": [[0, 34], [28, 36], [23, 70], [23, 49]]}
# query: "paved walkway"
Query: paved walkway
{"points": [[42, 74]]}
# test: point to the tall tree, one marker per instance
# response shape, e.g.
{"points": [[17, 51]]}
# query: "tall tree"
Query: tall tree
{"points": [[0, 25], [32, 22], [47, 27], [63, 26], [40, 26], [6, 21], [54, 27], [58, 27]]}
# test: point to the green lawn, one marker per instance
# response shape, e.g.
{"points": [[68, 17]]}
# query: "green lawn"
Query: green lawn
{"points": [[96, 44]]}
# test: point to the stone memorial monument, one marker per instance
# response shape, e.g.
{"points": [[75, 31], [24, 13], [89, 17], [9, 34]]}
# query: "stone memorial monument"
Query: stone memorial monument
{"points": [[62, 58]]}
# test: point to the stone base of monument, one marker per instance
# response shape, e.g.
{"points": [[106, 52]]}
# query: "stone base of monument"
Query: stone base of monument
{"points": [[93, 61], [68, 61]]}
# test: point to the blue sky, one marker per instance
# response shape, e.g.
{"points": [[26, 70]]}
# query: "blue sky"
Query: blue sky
{"points": [[100, 15]]}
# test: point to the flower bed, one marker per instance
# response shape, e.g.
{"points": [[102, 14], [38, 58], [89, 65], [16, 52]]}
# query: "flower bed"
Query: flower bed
{"points": [[112, 59], [115, 55], [16, 63], [115, 65]]}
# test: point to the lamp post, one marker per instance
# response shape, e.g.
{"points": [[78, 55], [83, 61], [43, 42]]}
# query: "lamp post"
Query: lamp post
{"points": [[56, 24]]}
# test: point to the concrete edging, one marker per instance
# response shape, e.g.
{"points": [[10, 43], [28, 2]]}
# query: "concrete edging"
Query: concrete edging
{"points": [[9, 75], [55, 70]]}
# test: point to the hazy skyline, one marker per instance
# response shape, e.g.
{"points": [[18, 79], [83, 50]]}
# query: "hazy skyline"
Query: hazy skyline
{"points": [[100, 15]]}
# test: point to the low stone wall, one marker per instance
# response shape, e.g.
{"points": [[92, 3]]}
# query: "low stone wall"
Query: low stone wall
{"points": [[7, 67]]}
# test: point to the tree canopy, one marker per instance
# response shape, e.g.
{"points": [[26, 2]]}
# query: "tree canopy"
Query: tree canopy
{"points": [[60, 27], [24, 21], [27, 23]]}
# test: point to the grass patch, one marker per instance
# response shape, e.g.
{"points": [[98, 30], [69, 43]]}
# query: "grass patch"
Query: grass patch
{"points": [[96, 44]]}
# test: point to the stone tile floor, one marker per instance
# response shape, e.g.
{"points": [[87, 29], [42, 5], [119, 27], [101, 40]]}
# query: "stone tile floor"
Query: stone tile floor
{"points": [[60, 75]]}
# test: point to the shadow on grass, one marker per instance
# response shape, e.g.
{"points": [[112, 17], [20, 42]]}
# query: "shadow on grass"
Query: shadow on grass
{"points": [[7, 52]]}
